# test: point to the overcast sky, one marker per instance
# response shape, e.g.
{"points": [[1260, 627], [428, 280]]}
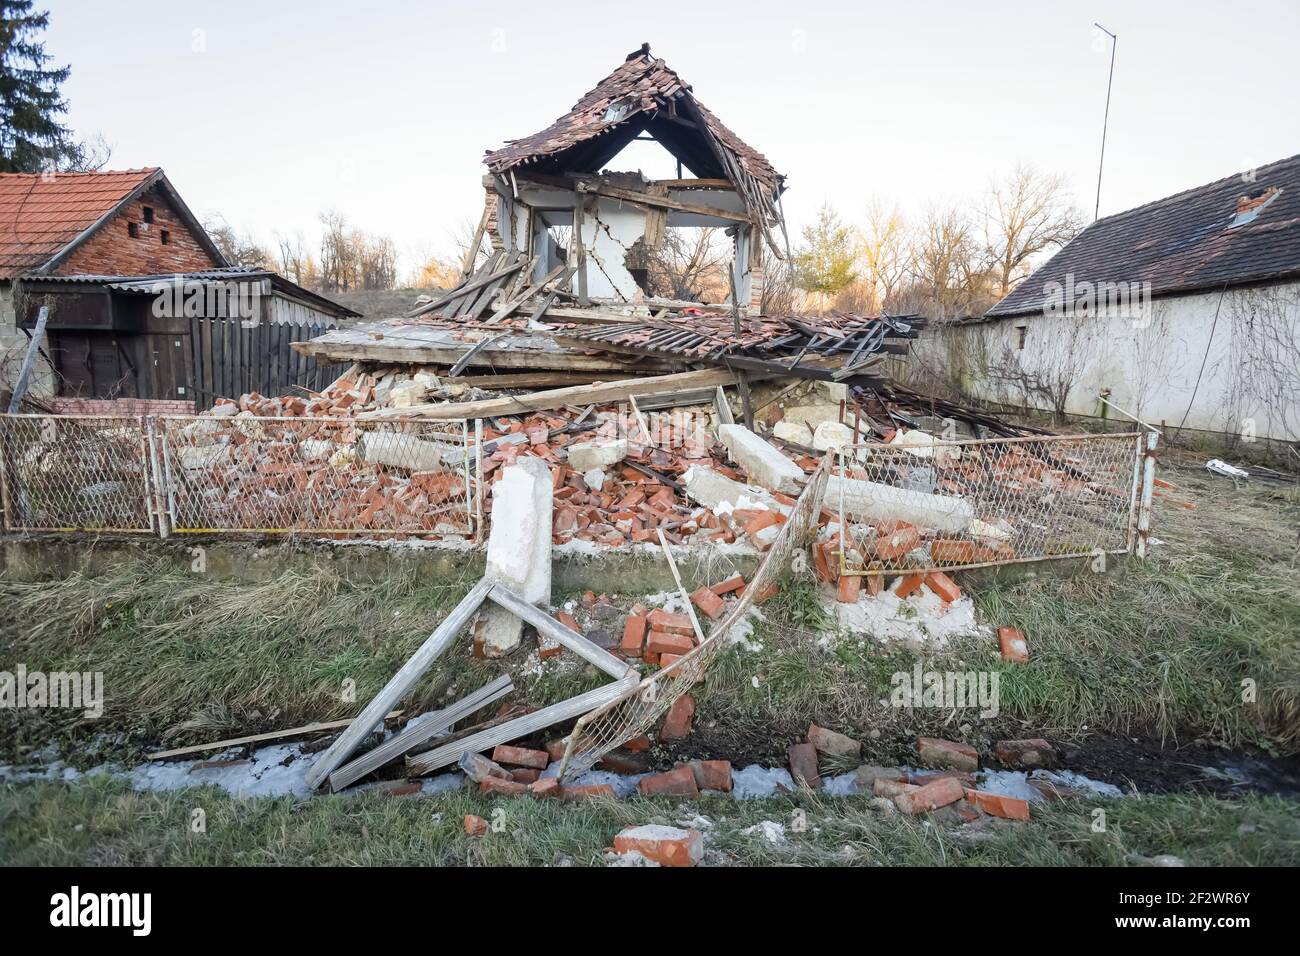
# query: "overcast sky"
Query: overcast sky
{"points": [[270, 111]]}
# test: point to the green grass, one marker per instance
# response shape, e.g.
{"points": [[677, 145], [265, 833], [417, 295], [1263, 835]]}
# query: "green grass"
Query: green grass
{"points": [[101, 822]]}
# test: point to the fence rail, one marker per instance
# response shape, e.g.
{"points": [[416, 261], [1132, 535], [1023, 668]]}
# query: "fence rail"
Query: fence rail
{"points": [[971, 504], [240, 474]]}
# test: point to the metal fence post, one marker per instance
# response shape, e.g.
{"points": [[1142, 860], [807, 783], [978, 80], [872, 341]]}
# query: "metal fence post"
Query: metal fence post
{"points": [[1148, 490]]}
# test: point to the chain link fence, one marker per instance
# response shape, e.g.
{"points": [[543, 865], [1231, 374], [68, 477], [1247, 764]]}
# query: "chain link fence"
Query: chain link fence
{"points": [[635, 712], [320, 475], [978, 503], [75, 473], [241, 474]]}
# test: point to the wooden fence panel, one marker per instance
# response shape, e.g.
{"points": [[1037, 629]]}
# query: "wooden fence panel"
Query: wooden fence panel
{"points": [[230, 360]]}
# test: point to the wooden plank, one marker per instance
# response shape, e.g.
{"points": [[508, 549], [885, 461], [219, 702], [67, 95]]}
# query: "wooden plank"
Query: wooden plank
{"points": [[663, 202], [401, 682], [413, 736], [567, 361], [550, 627], [524, 296], [315, 728], [469, 356], [532, 380], [723, 408], [519, 727], [598, 393], [462, 290], [578, 201]]}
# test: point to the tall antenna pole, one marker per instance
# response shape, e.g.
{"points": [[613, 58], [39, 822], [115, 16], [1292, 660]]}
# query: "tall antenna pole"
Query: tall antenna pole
{"points": [[1114, 42]]}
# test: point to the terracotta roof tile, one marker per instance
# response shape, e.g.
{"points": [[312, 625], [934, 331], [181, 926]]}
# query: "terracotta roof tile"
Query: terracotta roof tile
{"points": [[41, 214]]}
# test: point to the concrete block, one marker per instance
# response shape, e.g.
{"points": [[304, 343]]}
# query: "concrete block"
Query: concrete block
{"points": [[872, 501], [712, 489], [762, 463], [586, 456], [518, 550], [832, 435]]}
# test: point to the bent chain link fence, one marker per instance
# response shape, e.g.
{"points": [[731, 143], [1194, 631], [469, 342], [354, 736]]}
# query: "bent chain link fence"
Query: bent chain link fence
{"points": [[75, 473], [209, 474], [325, 476], [636, 711], [985, 502]]}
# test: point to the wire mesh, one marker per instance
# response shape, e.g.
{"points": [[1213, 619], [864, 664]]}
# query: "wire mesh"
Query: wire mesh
{"points": [[75, 473], [635, 712], [969, 504], [327, 476]]}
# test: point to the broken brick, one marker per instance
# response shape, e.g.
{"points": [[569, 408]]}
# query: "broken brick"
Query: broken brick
{"points": [[930, 797], [475, 826], [661, 643], [589, 790], [520, 757], [1034, 752], [712, 774], [935, 752], [1013, 645], [733, 583], [634, 631], [942, 585], [667, 846], [545, 787], [678, 782], [708, 602], [677, 724], [848, 589], [661, 620], [997, 805], [907, 584], [831, 743], [505, 788], [803, 766]]}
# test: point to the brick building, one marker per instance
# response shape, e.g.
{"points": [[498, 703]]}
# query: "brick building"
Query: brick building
{"points": [[134, 286]]}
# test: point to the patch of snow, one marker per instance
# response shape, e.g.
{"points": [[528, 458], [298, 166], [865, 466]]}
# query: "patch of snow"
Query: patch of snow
{"points": [[769, 830], [755, 781]]}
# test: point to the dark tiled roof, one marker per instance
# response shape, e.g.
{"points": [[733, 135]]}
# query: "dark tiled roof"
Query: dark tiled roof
{"points": [[1183, 242], [40, 214], [642, 87]]}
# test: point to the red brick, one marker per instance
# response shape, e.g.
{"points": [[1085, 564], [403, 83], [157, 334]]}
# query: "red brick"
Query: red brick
{"points": [[712, 774], [520, 757], [909, 584], [678, 782], [475, 826], [667, 660], [555, 750], [891, 788], [661, 620], [505, 788], [568, 620], [935, 752], [662, 643], [733, 583], [952, 551], [996, 805], [525, 775], [637, 745], [803, 766], [678, 722], [767, 593], [942, 585], [667, 846], [545, 787], [896, 539], [1013, 644], [708, 602], [930, 797], [633, 635], [849, 587], [1035, 752]]}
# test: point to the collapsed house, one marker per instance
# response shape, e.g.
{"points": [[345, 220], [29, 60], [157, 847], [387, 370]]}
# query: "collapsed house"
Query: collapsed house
{"points": [[549, 400]]}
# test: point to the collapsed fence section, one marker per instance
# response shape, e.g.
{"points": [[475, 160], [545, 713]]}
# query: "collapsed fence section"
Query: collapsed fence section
{"points": [[75, 473], [332, 476], [638, 709], [968, 504], [241, 474]]}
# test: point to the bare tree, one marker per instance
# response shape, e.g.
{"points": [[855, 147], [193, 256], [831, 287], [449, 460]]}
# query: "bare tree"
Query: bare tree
{"points": [[295, 262], [690, 264], [947, 270], [351, 259], [1026, 214], [239, 249]]}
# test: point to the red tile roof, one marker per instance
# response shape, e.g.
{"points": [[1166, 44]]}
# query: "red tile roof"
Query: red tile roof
{"points": [[41, 214]]}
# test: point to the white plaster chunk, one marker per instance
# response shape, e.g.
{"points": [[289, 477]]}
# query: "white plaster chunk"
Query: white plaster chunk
{"points": [[587, 455], [762, 463], [872, 501]]}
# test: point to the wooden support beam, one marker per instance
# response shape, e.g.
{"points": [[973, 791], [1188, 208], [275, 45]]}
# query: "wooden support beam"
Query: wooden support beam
{"points": [[550, 627], [421, 733], [599, 393], [401, 682], [579, 201], [316, 728], [662, 202], [449, 753]]}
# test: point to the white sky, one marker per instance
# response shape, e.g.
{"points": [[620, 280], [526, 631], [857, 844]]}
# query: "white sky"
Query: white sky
{"points": [[271, 111]]}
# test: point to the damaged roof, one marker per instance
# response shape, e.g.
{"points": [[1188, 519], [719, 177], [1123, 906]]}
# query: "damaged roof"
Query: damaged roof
{"points": [[1238, 230], [642, 94]]}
